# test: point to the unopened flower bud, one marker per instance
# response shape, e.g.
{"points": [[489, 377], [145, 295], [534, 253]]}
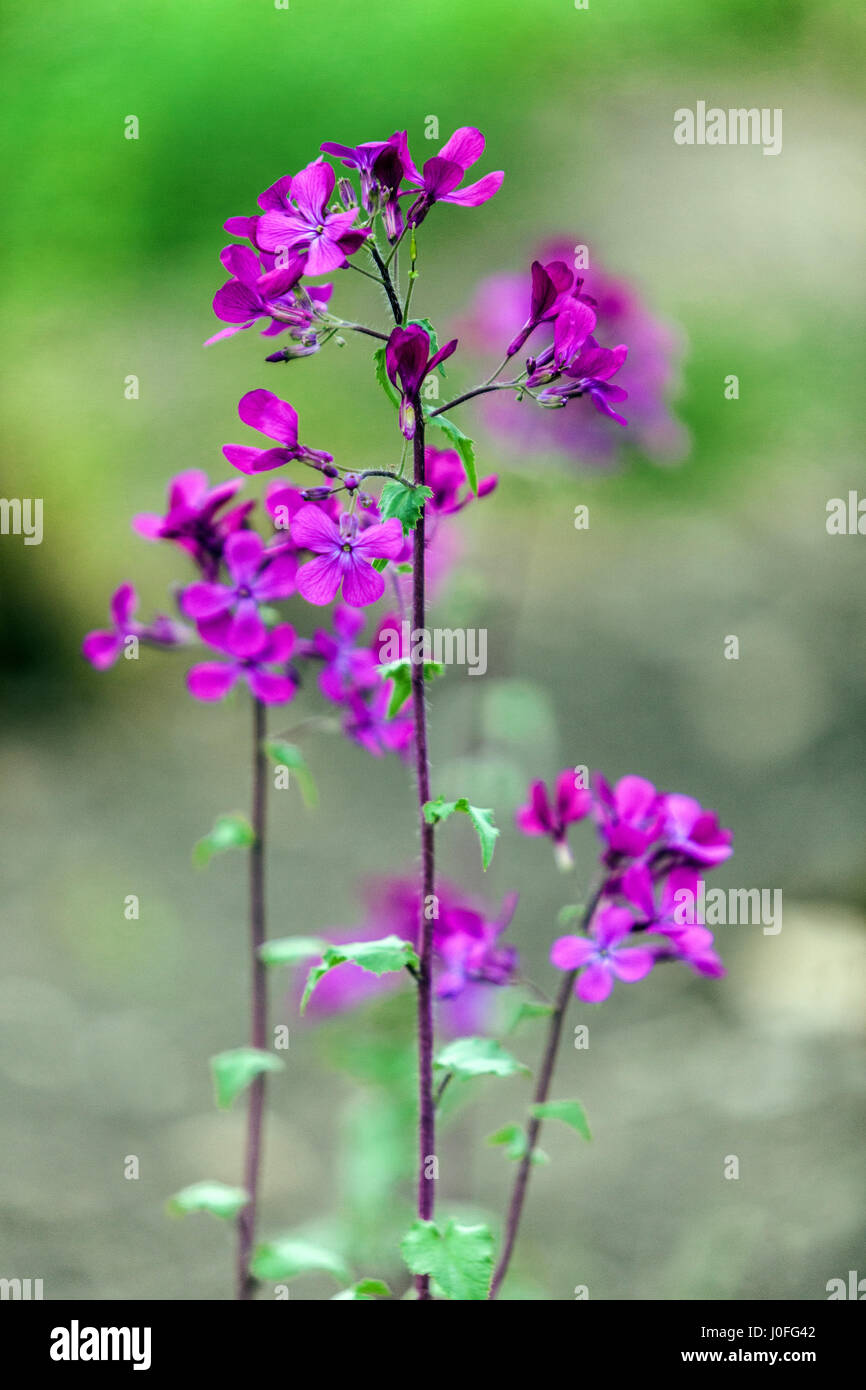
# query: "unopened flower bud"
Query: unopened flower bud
{"points": [[346, 190], [365, 500], [330, 471], [351, 481]]}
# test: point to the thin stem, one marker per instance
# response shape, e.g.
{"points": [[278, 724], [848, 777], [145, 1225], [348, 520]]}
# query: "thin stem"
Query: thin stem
{"points": [[387, 283], [258, 1009], [493, 375], [542, 1090], [370, 332], [469, 395], [413, 276], [426, 1103]]}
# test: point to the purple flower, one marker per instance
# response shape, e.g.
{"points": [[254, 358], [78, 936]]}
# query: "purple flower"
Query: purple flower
{"points": [[694, 834], [253, 294], [272, 199], [284, 502], [103, 647], [438, 183], [689, 940], [192, 518], [445, 475], [546, 816], [363, 158], [550, 287], [630, 816], [466, 944], [367, 722], [601, 958], [304, 226], [254, 579], [587, 374], [344, 553], [347, 667], [408, 360], [264, 411], [212, 680]]}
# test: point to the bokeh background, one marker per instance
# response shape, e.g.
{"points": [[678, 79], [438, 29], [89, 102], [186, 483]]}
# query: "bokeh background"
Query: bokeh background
{"points": [[606, 646]]}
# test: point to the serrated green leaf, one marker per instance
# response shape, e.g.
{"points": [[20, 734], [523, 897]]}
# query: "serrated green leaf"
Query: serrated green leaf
{"points": [[383, 378], [462, 443], [285, 754], [286, 1257], [478, 1057], [481, 818], [571, 1112], [405, 502], [364, 1291], [388, 954], [233, 1071], [291, 950], [216, 1197], [400, 672], [231, 831], [459, 1258]]}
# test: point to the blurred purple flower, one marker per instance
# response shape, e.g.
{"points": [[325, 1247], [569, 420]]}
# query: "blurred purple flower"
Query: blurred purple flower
{"points": [[601, 957], [212, 680], [192, 518], [347, 667], [544, 815], [102, 647], [253, 579]]}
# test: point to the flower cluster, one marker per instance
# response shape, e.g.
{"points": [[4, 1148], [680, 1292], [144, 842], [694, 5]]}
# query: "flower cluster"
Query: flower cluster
{"points": [[654, 847], [649, 375]]}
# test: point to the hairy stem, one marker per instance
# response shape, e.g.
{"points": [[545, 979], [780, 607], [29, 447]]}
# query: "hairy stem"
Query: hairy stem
{"points": [[258, 1009], [470, 395], [542, 1090], [387, 283], [426, 1103]]}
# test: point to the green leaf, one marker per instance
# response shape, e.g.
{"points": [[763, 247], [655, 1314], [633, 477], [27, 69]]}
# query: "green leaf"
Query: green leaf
{"points": [[529, 1008], [233, 1071], [364, 1291], [478, 1057], [572, 912], [571, 1112], [400, 672], [405, 502], [285, 754], [515, 1139], [388, 954], [462, 443], [286, 1257], [216, 1197], [481, 818], [291, 950], [383, 378], [459, 1258], [232, 831]]}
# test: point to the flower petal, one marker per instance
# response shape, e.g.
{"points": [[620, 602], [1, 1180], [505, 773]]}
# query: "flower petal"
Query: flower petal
{"points": [[572, 952], [212, 680], [319, 580]]}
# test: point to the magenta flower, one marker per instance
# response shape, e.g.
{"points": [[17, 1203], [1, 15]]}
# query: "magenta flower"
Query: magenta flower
{"points": [[408, 360], [271, 200], [438, 183], [363, 159], [347, 667], [344, 555], [212, 680], [466, 944], [587, 374], [264, 411], [103, 647], [551, 285], [601, 958], [252, 293], [445, 475], [367, 724], [689, 940], [694, 834], [192, 518], [284, 502], [254, 578], [304, 226], [552, 816], [630, 816]]}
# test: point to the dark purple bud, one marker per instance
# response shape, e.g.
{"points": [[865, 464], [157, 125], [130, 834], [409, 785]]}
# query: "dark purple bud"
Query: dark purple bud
{"points": [[281, 356], [351, 481], [316, 494], [330, 471]]}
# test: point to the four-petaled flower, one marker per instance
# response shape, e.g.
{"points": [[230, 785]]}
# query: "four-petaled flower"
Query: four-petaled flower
{"points": [[408, 361], [552, 816], [304, 226], [254, 578], [630, 815], [601, 958], [438, 182], [212, 680], [193, 519], [103, 647], [347, 667], [264, 411], [344, 553]]}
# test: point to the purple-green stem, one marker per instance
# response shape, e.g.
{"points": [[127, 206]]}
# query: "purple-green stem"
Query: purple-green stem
{"points": [[426, 1103], [258, 1009], [542, 1090]]}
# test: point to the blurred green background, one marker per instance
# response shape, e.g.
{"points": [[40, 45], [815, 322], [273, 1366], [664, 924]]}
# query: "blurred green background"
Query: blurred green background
{"points": [[605, 645]]}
